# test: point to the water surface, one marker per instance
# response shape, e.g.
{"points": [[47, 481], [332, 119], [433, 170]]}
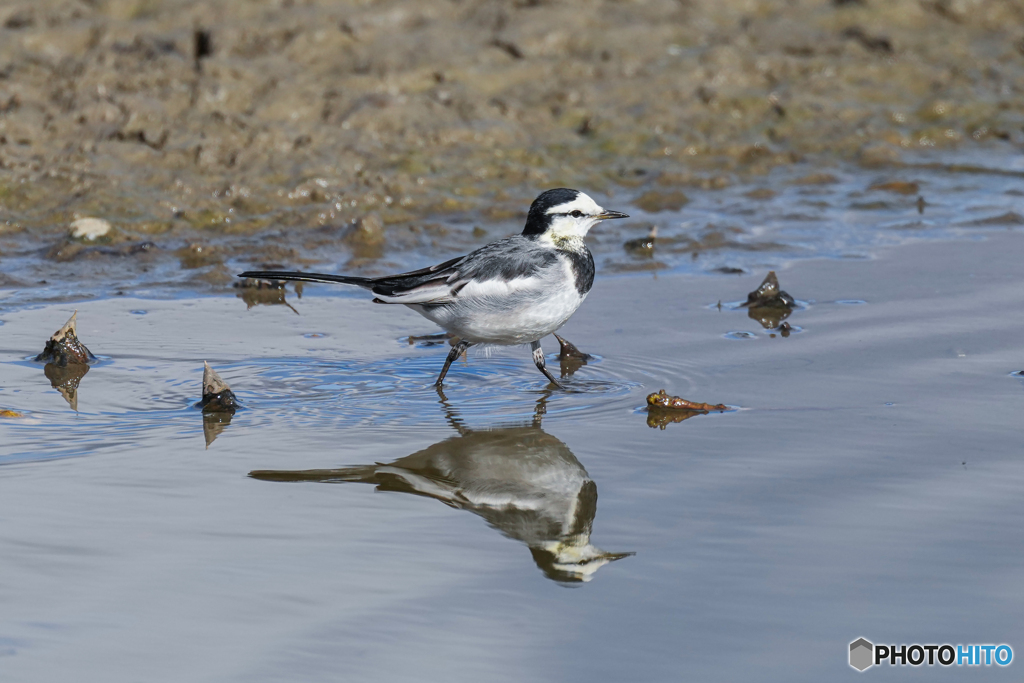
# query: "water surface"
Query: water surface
{"points": [[868, 485]]}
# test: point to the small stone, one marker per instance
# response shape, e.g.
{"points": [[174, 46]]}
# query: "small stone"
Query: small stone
{"points": [[64, 348], [89, 229]]}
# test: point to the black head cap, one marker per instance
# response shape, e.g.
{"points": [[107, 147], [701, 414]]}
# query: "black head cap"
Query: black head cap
{"points": [[537, 220]]}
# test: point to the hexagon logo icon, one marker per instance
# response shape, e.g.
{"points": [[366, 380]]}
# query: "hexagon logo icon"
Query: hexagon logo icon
{"points": [[862, 654]]}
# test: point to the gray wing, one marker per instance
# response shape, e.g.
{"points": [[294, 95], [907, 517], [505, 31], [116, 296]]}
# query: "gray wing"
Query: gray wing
{"points": [[514, 259]]}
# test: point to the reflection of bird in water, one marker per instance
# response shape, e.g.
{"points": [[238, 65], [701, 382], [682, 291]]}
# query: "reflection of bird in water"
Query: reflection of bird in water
{"points": [[526, 483], [260, 292]]}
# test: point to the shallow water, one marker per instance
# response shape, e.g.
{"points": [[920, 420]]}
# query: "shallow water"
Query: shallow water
{"points": [[868, 485]]}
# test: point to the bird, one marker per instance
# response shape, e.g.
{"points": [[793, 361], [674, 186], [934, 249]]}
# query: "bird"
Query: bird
{"points": [[513, 291]]}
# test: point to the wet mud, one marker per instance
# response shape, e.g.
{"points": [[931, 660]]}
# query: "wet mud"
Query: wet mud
{"points": [[64, 348], [164, 143]]}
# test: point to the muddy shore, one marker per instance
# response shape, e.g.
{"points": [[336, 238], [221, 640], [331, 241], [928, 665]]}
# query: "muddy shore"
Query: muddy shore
{"points": [[280, 131]]}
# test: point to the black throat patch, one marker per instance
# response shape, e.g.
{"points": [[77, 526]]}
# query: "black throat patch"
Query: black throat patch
{"points": [[582, 263]]}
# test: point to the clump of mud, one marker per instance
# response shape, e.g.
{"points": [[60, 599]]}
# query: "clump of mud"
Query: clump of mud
{"points": [[218, 404], [64, 348], [770, 305], [217, 395], [570, 358], [274, 130]]}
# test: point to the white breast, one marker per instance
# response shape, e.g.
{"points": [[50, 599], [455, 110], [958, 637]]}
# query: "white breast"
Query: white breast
{"points": [[510, 312]]}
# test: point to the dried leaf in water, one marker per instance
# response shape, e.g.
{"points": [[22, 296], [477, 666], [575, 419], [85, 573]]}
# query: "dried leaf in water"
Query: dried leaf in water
{"points": [[664, 401]]}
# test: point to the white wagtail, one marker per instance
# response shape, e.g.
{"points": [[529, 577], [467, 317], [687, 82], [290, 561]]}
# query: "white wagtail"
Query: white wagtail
{"points": [[513, 291]]}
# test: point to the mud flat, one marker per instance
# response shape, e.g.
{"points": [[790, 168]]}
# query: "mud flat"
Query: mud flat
{"points": [[297, 132], [869, 480]]}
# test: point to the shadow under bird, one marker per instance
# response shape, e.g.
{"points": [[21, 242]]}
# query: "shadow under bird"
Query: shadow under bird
{"points": [[513, 291]]}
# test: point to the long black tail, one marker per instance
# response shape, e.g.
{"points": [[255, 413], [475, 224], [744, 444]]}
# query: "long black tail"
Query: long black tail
{"points": [[307, 277]]}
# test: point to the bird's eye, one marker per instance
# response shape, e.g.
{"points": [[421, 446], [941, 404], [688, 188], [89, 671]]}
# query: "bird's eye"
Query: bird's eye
{"points": [[576, 214]]}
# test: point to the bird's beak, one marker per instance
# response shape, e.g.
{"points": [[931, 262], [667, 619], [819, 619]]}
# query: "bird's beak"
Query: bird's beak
{"points": [[611, 214]]}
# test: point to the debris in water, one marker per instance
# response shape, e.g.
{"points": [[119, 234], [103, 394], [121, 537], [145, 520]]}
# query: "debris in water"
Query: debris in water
{"points": [[769, 293], [663, 410], [11, 413], [219, 404], [768, 304], [569, 351], [664, 401], [217, 395], [66, 379], [570, 358], [64, 348]]}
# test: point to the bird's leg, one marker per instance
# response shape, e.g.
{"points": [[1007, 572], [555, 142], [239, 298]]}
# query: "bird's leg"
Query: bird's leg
{"points": [[456, 351], [538, 360]]}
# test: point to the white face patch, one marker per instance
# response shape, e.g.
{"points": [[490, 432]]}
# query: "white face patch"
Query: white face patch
{"points": [[582, 203], [566, 226]]}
